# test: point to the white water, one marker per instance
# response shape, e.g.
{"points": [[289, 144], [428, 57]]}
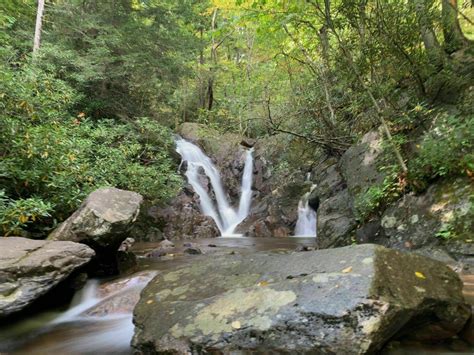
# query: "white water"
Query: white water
{"points": [[226, 217], [110, 333], [306, 223]]}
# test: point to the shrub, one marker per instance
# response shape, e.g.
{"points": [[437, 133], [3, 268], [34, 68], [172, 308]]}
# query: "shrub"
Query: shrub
{"points": [[51, 159], [446, 149]]}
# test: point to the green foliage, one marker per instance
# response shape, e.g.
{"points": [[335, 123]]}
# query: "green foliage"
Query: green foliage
{"points": [[15, 215], [50, 161], [460, 226], [379, 196], [446, 232], [126, 57], [446, 149]]}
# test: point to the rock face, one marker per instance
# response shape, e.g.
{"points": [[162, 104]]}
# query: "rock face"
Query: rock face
{"points": [[30, 268], [182, 218], [346, 300], [102, 222], [275, 215], [439, 218]]}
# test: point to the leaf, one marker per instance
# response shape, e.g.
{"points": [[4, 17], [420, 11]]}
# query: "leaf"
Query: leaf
{"points": [[236, 324], [149, 302], [420, 275], [346, 270], [263, 283]]}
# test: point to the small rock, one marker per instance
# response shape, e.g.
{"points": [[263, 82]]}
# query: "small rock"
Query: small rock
{"points": [[193, 251], [166, 244], [248, 142], [300, 248], [126, 244]]}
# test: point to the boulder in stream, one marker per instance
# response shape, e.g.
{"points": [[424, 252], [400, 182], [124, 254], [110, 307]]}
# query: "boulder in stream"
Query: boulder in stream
{"points": [[30, 268], [102, 222], [340, 301]]}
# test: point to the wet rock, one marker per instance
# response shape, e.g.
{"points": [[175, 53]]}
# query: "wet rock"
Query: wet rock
{"points": [[126, 244], [335, 220], [248, 142], [30, 268], [193, 251], [276, 214], [102, 222], [126, 261], [345, 300], [301, 248], [120, 296], [313, 202], [183, 219], [163, 248], [166, 244]]}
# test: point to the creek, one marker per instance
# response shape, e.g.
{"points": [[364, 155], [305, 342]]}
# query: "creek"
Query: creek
{"points": [[99, 317]]}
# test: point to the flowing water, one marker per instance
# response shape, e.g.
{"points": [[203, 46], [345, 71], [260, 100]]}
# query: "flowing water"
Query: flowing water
{"points": [[226, 217], [306, 223]]}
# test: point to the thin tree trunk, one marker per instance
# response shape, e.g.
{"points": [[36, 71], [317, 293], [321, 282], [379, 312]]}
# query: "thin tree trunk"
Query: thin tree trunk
{"points": [[432, 46], [453, 36], [213, 63], [39, 24]]}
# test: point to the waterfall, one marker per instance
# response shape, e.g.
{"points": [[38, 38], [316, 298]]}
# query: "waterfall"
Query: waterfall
{"points": [[306, 223], [225, 216]]}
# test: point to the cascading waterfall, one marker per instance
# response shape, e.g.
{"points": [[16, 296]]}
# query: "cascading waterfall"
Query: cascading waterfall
{"points": [[306, 223], [225, 216]]}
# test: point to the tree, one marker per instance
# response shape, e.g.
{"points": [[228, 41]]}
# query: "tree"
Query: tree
{"points": [[453, 36], [39, 25]]}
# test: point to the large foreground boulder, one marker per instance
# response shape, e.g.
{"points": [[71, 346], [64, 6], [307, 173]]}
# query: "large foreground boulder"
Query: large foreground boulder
{"points": [[30, 268], [341, 301], [103, 222]]}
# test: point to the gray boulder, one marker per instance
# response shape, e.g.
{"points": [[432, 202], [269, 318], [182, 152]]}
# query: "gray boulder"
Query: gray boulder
{"points": [[359, 164], [349, 300], [30, 268], [102, 222]]}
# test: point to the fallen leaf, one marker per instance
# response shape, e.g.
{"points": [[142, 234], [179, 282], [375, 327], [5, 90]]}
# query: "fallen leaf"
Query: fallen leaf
{"points": [[236, 324], [149, 302], [263, 283], [420, 275], [346, 270]]}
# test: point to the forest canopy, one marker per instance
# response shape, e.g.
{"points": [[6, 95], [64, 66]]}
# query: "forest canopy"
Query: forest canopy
{"points": [[95, 104]]}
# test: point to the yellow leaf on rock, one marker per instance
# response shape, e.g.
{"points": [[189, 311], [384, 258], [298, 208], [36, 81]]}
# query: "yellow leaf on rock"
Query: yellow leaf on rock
{"points": [[236, 324], [263, 283], [420, 275], [346, 270]]}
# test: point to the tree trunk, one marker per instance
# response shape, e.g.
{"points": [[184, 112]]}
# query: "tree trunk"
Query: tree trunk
{"points": [[213, 62], [453, 36], [39, 24], [432, 46]]}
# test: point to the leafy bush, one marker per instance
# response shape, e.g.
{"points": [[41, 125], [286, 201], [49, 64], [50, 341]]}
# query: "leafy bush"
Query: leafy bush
{"points": [[378, 196], [446, 149], [18, 214], [49, 160]]}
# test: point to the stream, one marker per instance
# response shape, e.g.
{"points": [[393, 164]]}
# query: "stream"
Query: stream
{"points": [[99, 317]]}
